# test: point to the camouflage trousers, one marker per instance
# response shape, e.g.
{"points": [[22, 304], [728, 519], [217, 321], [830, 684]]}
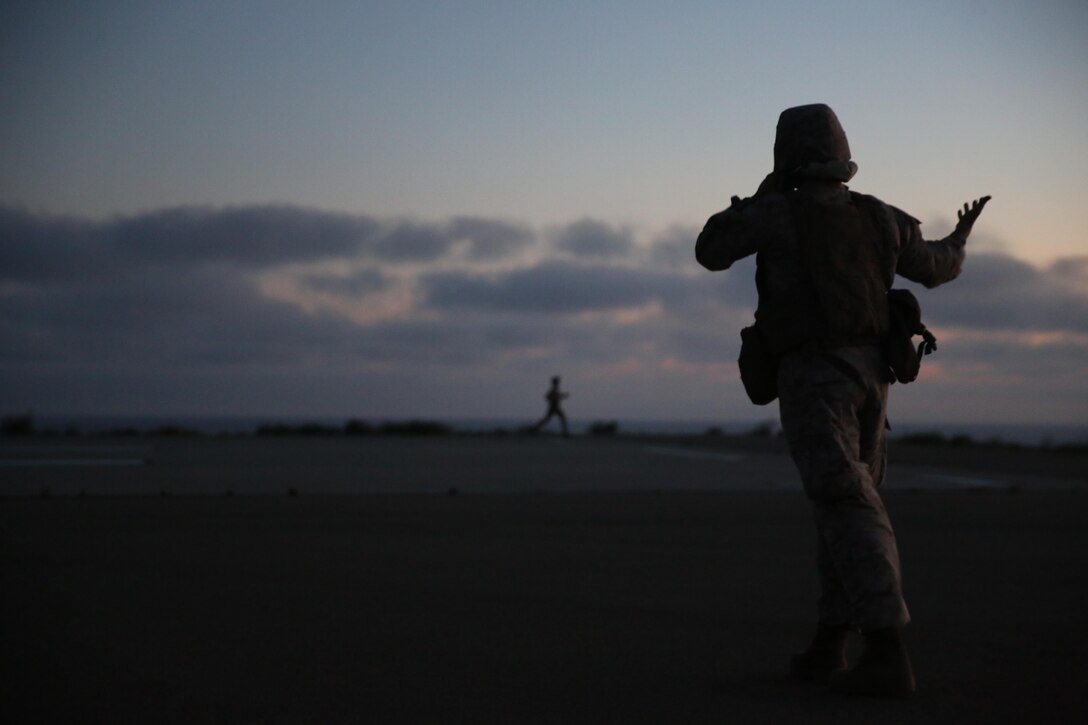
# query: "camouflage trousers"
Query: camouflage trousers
{"points": [[833, 412]]}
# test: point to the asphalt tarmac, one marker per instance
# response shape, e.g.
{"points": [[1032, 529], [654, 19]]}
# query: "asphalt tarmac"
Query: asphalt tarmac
{"points": [[560, 581]]}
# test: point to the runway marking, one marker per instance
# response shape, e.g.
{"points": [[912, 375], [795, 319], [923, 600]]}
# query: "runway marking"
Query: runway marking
{"points": [[11, 451], [54, 462], [694, 453]]}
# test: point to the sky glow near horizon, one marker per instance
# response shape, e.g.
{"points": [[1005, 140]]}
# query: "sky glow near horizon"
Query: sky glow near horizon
{"points": [[412, 208]]}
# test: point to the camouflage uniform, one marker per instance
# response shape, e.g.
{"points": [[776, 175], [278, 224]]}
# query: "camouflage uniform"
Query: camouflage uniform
{"points": [[835, 429], [825, 259]]}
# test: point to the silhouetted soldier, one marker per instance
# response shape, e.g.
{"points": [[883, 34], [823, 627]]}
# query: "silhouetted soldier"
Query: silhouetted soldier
{"points": [[554, 396], [826, 257]]}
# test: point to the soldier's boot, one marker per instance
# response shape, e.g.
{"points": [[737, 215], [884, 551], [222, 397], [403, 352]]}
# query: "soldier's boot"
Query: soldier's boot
{"points": [[826, 654], [883, 670]]}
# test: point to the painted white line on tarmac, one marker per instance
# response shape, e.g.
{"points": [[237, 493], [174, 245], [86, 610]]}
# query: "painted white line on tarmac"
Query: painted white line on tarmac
{"points": [[694, 453], [53, 462]]}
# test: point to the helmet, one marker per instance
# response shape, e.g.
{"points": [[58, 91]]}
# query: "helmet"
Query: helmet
{"points": [[807, 135]]}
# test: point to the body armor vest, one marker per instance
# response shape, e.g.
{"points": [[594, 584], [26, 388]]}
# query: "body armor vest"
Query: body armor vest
{"points": [[830, 289]]}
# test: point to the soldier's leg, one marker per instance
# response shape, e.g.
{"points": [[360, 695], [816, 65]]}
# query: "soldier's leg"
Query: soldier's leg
{"points": [[872, 424], [834, 605], [826, 652], [862, 549], [820, 408], [836, 437]]}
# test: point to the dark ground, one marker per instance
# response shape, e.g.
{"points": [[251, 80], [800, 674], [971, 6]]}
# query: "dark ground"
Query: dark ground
{"points": [[553, 607]]}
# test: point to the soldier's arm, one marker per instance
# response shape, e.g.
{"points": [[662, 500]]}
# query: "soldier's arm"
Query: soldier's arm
{"points": [[933, 262], [731, 234]]}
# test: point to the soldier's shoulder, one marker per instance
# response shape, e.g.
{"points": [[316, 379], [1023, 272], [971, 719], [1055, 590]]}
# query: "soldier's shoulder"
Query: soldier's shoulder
{"points": [[756, 208], [859, 198], [773, 203], [898, 214]]}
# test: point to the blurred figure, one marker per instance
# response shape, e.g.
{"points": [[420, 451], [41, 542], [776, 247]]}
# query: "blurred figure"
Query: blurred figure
{"points": [[826, 257], [554, 396]]}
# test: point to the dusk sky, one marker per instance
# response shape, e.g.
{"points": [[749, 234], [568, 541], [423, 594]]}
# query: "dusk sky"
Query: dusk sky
{"points": [[400, 209]]}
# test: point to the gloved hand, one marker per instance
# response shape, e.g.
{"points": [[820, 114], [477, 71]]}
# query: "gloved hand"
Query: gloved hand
{"points": [[967, 217]]}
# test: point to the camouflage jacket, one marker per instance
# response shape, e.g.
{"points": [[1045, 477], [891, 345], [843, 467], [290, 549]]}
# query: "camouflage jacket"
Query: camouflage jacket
{"points": [[825, 261]]}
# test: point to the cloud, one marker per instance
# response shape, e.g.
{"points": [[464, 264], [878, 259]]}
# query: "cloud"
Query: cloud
{"points": [[998, 292], [257, 236], [176, 308], [1010, 358], [489, 238], [589, 238], [188, 320], [551, 287], [409, 241], [39, 247], [674, 248], [43, 247], [356, 284]]}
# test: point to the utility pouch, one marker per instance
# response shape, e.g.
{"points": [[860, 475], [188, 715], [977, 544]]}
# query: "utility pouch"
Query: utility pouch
{"points": [[758, 366], [905, 316]]}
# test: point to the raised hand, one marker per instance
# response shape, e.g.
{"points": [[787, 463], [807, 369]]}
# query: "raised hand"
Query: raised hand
{"points": [[967, 217]]}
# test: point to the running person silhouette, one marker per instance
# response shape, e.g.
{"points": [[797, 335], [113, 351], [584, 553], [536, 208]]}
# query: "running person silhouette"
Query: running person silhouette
{"points": [[554, 396]]}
